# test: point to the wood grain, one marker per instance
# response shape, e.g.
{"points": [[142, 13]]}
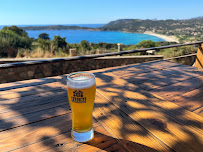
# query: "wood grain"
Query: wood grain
{"points": [[20, 92], [39, 136], [35, 114], [27, 83], [26, 135], [163, 119], [121, 126], [191, 100], [199, 58], [143, 68], [199, 111], [23, 112], [179, 88]]}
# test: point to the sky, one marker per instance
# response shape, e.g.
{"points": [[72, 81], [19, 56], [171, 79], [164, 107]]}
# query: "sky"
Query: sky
{"points": [[34, 12]]}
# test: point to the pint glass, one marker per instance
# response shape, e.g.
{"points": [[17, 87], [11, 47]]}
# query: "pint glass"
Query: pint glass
{"points": [[81, 95]]}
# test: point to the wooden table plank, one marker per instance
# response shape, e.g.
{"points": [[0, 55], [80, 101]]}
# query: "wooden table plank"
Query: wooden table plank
{"points": [[20, 132], [152, 80], [179, 88], [121, 126], [14, 116], [162, 118], [168, 76], [27, 83], [30, 101], [164, 77], [157, 77], [47, 135], [64, 142], [27, 91], [29, 134], [143, 68], [191, 100], [199, 111], [35, 115]]}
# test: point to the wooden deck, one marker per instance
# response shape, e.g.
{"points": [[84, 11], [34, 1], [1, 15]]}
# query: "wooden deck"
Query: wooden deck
{"points": [[154, 106]]}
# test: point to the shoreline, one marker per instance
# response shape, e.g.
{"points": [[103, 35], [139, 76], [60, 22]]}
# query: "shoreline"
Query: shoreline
{"points": [[165, 37]]}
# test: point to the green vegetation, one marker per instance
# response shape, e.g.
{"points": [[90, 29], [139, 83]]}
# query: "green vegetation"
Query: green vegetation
{"points": [[147, 44], [177, 51], [167, 53], [85, 45], [185, 30], [12, 39], [14, 42], [44, 36], [56, 27], [59, 43]]}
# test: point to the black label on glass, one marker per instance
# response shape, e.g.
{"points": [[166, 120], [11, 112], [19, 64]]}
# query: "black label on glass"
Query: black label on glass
{"points": [[78, 97]]}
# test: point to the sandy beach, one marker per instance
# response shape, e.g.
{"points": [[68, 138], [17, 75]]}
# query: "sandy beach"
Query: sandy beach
{"points": [[165, 37]]}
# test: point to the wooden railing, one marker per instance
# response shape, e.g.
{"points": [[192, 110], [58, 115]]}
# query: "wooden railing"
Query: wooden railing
{"points": [[199, 57], [11, 72], [2, 66]]}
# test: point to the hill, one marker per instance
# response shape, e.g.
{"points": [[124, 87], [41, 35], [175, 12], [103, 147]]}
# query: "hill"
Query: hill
{"points": [[185, 30], [55, 27], [190, 29]]}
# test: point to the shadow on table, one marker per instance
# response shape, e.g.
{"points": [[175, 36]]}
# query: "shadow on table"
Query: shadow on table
{"points": [[34, 103], [167, 121], [100, 142]]}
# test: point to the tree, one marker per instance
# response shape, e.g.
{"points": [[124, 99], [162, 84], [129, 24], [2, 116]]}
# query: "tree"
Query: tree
{"points": [[16, 30], [44, 44], [147, 44], [85, 45], [100, 44], [44, 36], [59, 43], [12, 39]]}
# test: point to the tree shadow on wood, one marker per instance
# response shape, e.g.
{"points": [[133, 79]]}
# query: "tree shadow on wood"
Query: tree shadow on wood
{"points": [[44, 107], [98, 143]]}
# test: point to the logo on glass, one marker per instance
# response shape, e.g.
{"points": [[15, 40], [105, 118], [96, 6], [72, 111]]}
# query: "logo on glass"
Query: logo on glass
{"points": [[78, 97]]}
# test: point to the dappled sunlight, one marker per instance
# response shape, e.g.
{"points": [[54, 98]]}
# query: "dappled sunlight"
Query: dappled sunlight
{"points": [[135, 95], [126, 115], [165, 119], [136, 105], [113, 91], [147, 114], [13, 95], [44, 131]]}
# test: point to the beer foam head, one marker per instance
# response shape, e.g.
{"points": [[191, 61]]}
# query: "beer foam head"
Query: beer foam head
{"points": [[81, 81], [80, 78]]}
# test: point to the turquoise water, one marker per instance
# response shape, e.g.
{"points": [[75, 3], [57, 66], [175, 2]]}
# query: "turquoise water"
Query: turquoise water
{"points": [[76, 36]]}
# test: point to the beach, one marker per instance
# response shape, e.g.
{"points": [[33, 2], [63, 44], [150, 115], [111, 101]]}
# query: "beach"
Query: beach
{"points": [[165, 37]]}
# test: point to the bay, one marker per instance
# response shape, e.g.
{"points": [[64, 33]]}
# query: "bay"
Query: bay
{"points": [[76, 36]]}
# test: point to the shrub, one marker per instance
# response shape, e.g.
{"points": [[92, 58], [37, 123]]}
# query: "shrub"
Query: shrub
{"points": [[11, 41]]}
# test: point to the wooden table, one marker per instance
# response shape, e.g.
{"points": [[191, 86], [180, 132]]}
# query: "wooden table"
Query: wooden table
{"points": [[154, 106]]}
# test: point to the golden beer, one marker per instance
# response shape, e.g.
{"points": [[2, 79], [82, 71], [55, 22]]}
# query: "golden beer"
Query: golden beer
{"points": [[81, 95], [82, 102]]}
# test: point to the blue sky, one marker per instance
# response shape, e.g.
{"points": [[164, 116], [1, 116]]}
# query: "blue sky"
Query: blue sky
{"points": [[23, 12]]}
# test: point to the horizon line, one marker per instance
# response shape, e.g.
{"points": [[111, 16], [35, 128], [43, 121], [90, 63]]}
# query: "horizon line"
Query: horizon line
{"points": [[155, 19], [54, 24]]}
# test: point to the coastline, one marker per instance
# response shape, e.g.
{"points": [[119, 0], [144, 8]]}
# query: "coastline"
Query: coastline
{"points": [[165, 37]]}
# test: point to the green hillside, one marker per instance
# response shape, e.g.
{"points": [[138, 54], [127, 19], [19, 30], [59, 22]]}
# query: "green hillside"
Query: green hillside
{"points": [[190, 29]]}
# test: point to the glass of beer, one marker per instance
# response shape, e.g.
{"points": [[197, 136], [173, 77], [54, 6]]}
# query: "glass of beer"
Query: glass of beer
{"points": [[81, 95]]}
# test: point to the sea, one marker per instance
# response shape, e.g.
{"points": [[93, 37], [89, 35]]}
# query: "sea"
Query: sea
{"points": [[76, 36]]}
